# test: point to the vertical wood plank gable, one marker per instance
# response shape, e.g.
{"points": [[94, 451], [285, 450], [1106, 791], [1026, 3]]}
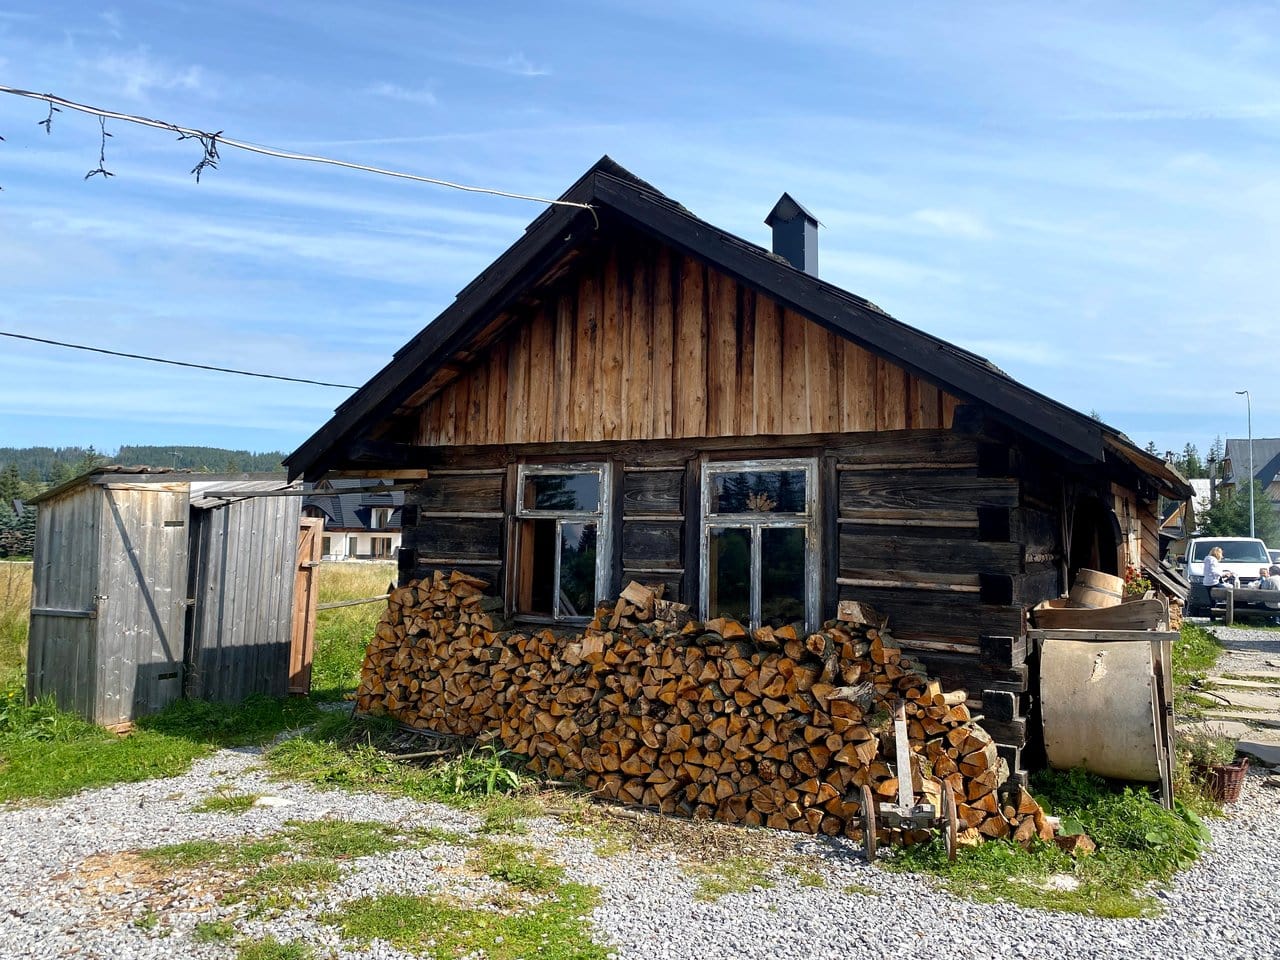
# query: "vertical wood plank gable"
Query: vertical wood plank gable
{"points": [[644, 343], [690, 361], [662, 366]]}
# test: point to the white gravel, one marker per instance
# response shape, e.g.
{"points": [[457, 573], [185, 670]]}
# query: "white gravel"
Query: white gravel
{"points": [[53, 904]]}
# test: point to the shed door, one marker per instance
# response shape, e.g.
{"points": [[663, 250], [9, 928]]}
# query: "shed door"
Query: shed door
{"points": [[144, 587]]}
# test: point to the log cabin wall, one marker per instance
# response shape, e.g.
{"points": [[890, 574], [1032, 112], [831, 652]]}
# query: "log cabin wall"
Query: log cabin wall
{"points": [[639, 342], [936, 529]]}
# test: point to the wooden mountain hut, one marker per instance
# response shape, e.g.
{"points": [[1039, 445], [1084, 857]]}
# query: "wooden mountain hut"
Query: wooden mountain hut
{"points": [[629, 392]]}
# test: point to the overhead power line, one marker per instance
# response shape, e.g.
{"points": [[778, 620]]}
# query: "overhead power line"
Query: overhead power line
{"points": [[211, 142], [176, 363]]}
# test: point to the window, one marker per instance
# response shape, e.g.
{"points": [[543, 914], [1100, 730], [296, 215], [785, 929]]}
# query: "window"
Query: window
{"points": [[326, 546], [351, 546], [562, 544], [381, 518], [759, 540], [380, 547]]}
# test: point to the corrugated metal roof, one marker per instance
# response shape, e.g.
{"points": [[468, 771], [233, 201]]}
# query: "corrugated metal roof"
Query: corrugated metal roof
{"points": [[233, 488]]}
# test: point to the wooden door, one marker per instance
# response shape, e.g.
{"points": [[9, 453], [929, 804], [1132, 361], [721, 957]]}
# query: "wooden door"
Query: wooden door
{"points": [[306, 588]]}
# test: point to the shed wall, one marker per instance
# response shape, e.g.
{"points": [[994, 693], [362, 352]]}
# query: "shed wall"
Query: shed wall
{"points": [[142, 550], [243, 559], [60, 646]]}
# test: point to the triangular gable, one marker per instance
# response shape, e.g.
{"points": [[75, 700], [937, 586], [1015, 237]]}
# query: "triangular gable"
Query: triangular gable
{"points": [[640, 342], [616, 196]]}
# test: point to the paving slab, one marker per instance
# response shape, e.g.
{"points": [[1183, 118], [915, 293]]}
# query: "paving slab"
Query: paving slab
{"points": [[1254, 674], [1266, 752], [1248, 698], [1219, 683], [1258, 719]]}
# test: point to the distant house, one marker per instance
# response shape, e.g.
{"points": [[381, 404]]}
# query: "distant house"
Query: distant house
{"points": [[358, 524], [1266, 467]]}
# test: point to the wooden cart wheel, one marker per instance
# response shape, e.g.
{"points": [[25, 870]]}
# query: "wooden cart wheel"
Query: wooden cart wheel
{"points": [[950, 824], [869, 823]]}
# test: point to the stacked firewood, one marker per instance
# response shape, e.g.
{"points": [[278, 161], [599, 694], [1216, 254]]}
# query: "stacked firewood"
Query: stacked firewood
{"points": [[701, 719]]}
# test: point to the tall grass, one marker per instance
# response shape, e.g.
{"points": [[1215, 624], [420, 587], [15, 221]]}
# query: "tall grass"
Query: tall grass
{"points": [[15, 611], [342, 634]]}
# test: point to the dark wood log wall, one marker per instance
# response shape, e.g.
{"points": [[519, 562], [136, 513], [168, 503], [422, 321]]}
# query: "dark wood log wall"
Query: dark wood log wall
{"points": [[456, 520]]}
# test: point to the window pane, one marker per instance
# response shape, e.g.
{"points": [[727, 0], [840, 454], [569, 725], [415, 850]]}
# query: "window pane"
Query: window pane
{"points": [[729, 573], [577, 569], [781, 575], [762, 491], [537, 573], [562, 491]]}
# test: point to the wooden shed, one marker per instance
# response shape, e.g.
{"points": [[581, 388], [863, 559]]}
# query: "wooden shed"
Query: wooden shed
{"points": [[629, 392], [152, 585]]}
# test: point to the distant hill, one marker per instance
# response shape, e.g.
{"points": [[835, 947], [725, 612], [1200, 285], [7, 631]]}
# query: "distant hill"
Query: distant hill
{"points": [[44, 465]]}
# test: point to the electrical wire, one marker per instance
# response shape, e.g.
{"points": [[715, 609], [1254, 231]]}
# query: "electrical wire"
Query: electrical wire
{"points": [[176, 363], [217, 139]]}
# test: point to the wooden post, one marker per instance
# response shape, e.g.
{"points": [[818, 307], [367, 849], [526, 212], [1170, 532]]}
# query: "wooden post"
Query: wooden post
{"points": [[306, 589]]}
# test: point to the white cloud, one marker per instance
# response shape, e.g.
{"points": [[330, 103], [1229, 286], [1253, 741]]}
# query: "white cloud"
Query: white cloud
{"points": [[138, 73], [517, 64], [393, 91], [953, 223]]}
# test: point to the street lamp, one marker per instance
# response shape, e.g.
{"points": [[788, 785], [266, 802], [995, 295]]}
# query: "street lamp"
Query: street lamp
{"points": [[1249, 406]]}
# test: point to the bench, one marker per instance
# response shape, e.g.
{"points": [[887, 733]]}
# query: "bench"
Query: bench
{"points": [[1230, 604]]}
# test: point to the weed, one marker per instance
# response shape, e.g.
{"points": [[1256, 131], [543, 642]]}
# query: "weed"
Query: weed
{"points": [[1194, 653], [272, 949], [191, 854], [804, 876], [859, 890], [435, 927], [348, 752], [730, 875], [222, 802], [343, 839], [1139, 842], [277, 886], [507, 814], [520, 867], [147, 922], [214, 931]]}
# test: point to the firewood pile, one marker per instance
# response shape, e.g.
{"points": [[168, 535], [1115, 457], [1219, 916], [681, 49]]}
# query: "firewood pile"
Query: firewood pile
{"points": [[649, 707]]}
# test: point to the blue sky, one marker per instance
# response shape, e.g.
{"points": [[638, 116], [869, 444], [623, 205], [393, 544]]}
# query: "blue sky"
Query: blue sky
{"points": [[1088, 194]]}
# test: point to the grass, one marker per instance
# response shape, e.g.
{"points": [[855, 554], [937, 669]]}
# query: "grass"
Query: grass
{"points": [[436, 927], [859, 890], [731, 875], [1139, 843], [278, 886], [342, 752], [272, 949], [47, 753], [519, 866], [214, 931], [1194, 654], [15, 608], [343, 633], [222, 802], [804, 876]]}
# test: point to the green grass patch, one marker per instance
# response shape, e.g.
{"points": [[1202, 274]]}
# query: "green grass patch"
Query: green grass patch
{"points": [[1194, 653], [272, 949], [804, 876], [47, 753], [438, 928], [730, 875], [519, 866], [279, 886], [342, 634], [1139, 843], [211, 854], [214, 931], [859, 890], [347, 839], [349, 753], [221, 802]]}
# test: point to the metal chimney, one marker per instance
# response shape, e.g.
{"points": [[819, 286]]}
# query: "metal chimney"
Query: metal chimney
{"points": [[795, 234]]}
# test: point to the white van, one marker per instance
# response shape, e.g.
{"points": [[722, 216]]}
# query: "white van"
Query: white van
{"points": [[1243, 556]]}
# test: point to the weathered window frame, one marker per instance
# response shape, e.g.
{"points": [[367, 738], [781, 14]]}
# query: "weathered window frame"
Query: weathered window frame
{"points": [[808, 521], [602, 517]]}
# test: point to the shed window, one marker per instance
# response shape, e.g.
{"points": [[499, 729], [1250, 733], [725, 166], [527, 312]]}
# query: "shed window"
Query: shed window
{"points": [[562, 540], [759, 541]]}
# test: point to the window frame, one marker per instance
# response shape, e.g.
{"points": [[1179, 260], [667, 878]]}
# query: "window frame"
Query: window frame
{"points": [[602, 517], [755, 522]]}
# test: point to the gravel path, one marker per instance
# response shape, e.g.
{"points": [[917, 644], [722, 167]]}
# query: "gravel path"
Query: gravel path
{"points": [[1249, 649], [63, 892]]}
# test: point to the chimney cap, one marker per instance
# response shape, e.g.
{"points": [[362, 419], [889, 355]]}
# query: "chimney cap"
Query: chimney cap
{"points": [[788, 208]]}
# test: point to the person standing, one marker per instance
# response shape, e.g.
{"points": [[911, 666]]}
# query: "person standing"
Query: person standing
{"points": [[1213, 574]]}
